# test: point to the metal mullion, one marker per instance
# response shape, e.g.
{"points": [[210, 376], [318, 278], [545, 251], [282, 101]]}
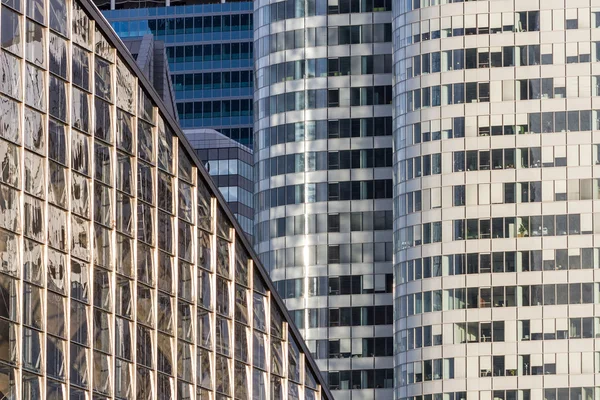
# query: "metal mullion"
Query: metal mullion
{"points": [[45, 121], [154, 247], [250, 267], [18, 369], [213, 284], [135, 200], [114, 160], [175, 186], [195, 266]]}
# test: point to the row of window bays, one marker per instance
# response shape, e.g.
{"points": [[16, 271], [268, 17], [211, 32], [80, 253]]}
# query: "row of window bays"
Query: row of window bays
{"points": [[324, 129], [335, 285], [497, 262], [200, 24], [323, 191], [498, 91], [498, 125], [566, 393], [290, 9], [497, 57], [210, 52], [330, 222], [323, 98], [498, 332], [497, 228], [497, 296], [360, 379], [322, 349], [323, 36], [496, 23], [498, 159], [574, 363], [323, 67], [302, 256], [323, 161], [497, 193], [212, 80]]}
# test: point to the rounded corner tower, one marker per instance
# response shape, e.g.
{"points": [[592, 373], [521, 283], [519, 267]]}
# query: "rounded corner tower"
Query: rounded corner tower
{"points": [[323, 176], [495, 192]]}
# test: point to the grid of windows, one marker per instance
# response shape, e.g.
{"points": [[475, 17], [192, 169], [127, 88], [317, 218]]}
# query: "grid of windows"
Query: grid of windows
{"points": [[494, 217], [121, 275], [210, 55], [323, 182]]}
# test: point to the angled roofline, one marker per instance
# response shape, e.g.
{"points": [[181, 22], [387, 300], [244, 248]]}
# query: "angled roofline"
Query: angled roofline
{"points": [[104, 26]]}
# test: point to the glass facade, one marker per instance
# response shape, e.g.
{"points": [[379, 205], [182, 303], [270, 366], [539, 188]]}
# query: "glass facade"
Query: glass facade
{"points": [[210, 55], [122, 275], [323, 180], [230, 165], [495, 183]]}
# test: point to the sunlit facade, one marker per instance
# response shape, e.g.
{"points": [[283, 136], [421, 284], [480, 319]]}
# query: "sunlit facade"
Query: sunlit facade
{"points": [[122, 273], [496, 192], [323, 180]]}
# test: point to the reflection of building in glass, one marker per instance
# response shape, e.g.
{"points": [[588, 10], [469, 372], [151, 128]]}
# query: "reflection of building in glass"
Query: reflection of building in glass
{"points": [[122, 272], [230, 166], [323, 192], [209, 51], [496, 295]]}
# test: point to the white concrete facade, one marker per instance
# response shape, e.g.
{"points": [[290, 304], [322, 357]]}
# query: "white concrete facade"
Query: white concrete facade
{"points": [[496, 191]]}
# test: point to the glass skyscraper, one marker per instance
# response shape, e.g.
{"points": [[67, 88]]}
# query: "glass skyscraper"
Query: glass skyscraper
{"points": [[209, 50], [230, 164], [496, 181], [122, 273], [323, 187]]}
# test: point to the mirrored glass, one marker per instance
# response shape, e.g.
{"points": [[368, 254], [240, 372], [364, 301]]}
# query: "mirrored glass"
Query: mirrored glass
{"points": [[58, 98], [165, 146], [35, 42], [102, 47], [81, 27], [9, 209], [59, 16], [103, 79], [9, 253], [57, 190], [58, 56], [34, 218], [35, 9], [35, 176], [10, 77], [80, 107], [10, 35], [80, 238], [80, 195], [9, 113], [80, 153], [35, 88], [125, 88], [10, 164], [103, 120], [103, 163]]}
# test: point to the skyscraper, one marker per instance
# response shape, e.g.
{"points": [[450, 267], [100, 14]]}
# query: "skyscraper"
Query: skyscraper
{"points": [[495, 162], [230, 164], [209, 50], [122, 272], [323, 193]]}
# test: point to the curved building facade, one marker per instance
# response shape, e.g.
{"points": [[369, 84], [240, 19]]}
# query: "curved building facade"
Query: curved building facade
{"points": [[323, 191], [495, 171]]}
